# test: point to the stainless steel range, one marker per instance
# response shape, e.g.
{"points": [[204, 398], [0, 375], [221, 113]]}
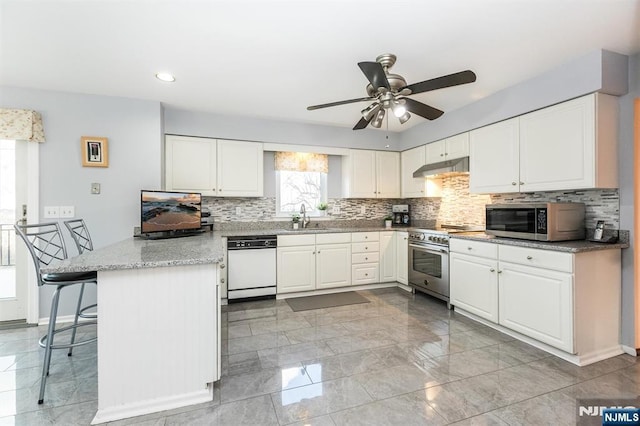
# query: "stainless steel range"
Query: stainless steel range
{"points": [[429, 259]]}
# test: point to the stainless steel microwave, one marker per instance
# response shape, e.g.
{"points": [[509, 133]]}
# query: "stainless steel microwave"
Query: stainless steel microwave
{"points": [[536, 221]]}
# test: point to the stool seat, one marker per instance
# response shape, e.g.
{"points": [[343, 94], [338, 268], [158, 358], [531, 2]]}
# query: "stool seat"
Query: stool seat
{"points": [[70, 277]]}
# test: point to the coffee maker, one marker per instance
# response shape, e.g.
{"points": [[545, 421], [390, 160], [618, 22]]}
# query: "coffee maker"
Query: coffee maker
{"points": [[401, 215]]}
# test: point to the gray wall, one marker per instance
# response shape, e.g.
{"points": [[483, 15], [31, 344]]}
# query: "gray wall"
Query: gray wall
{"points": [[627, 194], [133, 128]]}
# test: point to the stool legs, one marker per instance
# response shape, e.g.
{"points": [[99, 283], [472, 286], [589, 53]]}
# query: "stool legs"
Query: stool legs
{"points": [[48, 341], [75, 320]]}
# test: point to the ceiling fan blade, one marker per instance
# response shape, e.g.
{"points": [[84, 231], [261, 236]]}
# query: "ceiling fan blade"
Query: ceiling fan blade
{"points": [[423, 110], [362, 124], [375, 74], [332, 104], [462, 77]]}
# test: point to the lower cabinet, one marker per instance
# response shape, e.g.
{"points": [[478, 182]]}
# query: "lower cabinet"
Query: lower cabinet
{"points": [[296, 268], [402, 257], [333, 265], [570, 301], [388, 256], [365, 258]]}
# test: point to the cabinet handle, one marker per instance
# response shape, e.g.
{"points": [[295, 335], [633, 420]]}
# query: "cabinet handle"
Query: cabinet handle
{"points": [[222, 266], [513, 183], [529, 257], [366, 248], [499, 272], [366, 258], [521, 183], [441, 155], [366, 275], [222, 280], [446, 153], [366, 236], [492, 270], [469, 248], [318, 251], [405, 238], [314, 252]]}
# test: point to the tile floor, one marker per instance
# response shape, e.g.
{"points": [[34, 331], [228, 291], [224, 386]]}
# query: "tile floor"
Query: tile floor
{"points": [[401, 359]]}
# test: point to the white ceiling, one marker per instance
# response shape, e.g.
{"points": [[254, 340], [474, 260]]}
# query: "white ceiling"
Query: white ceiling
{"points": [[272, 59]]}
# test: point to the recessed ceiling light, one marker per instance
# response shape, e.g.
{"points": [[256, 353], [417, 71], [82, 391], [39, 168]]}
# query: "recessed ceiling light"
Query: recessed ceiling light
{"points": [[165, 76]]}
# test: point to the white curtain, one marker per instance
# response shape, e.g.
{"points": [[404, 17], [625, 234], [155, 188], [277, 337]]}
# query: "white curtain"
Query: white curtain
{"points": [[21, 124]]}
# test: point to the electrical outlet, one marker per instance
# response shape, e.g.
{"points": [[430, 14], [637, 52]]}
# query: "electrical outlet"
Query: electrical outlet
{"points": [[51, 212], [67, 211], [335, 210], [363, 210], [238, 210], [95, 188]]}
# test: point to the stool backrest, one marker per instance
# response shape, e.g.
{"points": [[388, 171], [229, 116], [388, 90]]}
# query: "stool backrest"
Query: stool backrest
{"points": [[44, 242], [80, 234]]}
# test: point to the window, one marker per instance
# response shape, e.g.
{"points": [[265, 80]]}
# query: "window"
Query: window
{"points": [[296, 188], [301, 179]]}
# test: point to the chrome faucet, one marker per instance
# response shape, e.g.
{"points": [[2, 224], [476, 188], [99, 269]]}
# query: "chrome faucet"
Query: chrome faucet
{"points": [[305, 219]]}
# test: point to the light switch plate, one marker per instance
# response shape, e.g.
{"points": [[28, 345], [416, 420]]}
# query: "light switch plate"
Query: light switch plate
{"points": [[67, 211], [51, 212], [335, 210], [363, 210]]}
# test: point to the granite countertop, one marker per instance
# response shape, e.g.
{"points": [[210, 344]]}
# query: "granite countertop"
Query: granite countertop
{"points": [[134, 253], [565, 246]]}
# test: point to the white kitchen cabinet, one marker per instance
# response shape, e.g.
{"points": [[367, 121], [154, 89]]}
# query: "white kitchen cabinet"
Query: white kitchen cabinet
{"points": [[402, 257], [309, 262], [296, 269], [333, 265], [494, 154], [365, 264], [190, 164], [222, 270], [568, 301], [410, 161], [240, 169], [447, 149], [572, 145], [388, 256], [474, 278], [221, 168], [537, 303], [371, 174]]}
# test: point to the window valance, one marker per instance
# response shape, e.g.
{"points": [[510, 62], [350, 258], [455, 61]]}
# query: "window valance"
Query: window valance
{"points": [[302, 162], [21, 124]]}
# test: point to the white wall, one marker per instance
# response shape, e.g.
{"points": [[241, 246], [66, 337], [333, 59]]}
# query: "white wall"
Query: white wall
{"points": [[134, 130]]}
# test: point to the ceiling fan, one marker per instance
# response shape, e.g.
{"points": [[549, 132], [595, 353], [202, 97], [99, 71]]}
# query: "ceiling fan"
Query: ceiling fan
{"points": [[390, 91]]}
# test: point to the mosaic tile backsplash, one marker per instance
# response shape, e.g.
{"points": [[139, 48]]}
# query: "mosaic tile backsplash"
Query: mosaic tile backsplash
{"points": [[456, 206]]}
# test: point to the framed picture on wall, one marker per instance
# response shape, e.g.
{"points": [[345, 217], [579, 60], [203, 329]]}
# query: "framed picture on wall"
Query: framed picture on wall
{"points": [[95, 151]]}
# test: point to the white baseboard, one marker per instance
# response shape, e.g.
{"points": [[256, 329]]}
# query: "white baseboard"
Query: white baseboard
{"points": [[629, 350], [336, 290], [63, 319]]}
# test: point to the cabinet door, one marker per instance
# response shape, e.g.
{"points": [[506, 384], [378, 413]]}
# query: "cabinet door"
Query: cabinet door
{"points": [[402, 257], [190, 164], [333, 265], [296, 269], [457, 146], [537, 303], [222, 270], [359, 174], [474, 285], [494, 158], [410, 161], [240, 169], [434, 152], [557, 147], [387, 256], [388, 174]]}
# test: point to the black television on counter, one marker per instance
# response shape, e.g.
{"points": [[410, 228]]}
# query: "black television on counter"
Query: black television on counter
{"points": [[167, 214]]}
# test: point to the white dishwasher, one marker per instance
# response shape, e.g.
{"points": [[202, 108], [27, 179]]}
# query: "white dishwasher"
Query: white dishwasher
{"points": [[252, 267]]}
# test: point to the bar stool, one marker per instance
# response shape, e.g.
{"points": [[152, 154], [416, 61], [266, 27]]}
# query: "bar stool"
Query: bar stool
{"points": [[81, 237], [46, 244]]}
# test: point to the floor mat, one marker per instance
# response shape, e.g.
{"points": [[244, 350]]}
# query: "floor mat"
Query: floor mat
{"points": [[325, 301]]}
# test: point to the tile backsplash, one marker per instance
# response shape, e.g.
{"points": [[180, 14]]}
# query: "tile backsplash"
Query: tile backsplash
{"points": [[456, 206]]}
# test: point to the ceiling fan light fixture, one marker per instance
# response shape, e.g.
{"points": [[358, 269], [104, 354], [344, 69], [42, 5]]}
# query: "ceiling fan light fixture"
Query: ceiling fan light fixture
{"points": [[377, 122], [404, 117], [399, 109], [370, 111]]}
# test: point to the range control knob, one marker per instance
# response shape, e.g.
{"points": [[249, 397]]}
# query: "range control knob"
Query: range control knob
{"points": [[422, 236]]}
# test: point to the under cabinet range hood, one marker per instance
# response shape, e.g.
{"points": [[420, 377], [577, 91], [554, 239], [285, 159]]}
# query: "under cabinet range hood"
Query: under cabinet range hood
{"points": [[457, 166]]}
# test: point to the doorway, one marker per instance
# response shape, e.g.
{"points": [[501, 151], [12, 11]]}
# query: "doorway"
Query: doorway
{"points": [[18, 200]]}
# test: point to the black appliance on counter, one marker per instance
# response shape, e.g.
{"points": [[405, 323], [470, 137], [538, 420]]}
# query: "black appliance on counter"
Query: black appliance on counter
{"points": [[401, 216]]}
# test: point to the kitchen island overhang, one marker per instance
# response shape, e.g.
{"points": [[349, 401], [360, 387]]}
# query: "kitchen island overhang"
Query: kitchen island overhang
{"points": [[158, 323]]}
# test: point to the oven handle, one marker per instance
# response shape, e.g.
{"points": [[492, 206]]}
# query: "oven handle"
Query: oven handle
{"points": [[430, 248]]}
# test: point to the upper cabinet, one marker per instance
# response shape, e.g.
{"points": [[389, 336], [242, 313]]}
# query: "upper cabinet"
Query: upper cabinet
{"points": [[411, 160], [572, 145], [220, 168], [371, 174], [448, 149]]}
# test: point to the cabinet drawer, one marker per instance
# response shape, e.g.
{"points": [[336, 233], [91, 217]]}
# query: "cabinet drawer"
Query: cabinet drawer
{"points": [[539, 258], [365, 247], [365, 257], [337, 238], [367, 273], [474, 248], [358, 237], [296, 240]]}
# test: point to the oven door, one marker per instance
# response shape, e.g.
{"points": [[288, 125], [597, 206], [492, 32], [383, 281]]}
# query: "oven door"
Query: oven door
{"points": [[429, 268]]}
